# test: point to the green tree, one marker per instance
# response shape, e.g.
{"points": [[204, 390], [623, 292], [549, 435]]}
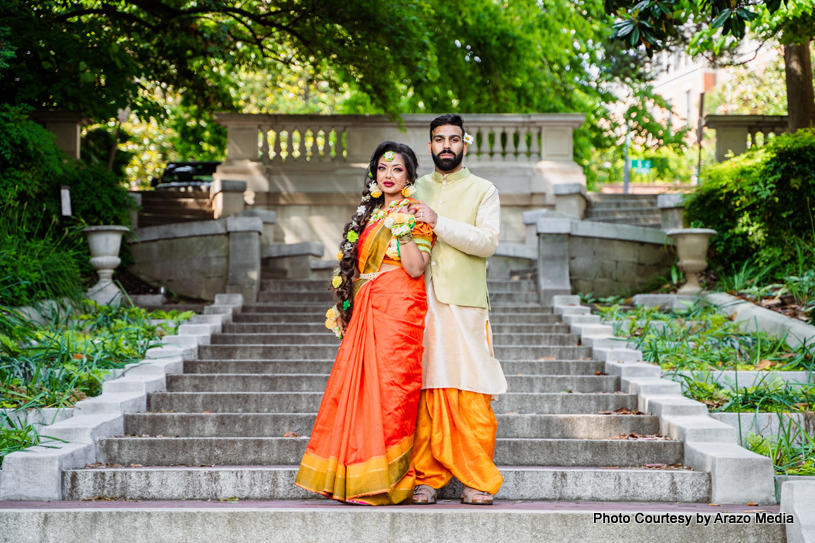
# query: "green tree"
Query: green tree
{"points": [[717, 26], [385, 56]]}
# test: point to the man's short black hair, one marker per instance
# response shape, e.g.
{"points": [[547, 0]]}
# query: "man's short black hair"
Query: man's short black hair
{"points": [[450, 118]]}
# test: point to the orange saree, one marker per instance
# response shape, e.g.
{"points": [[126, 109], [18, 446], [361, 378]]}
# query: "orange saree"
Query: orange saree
{"points": [[361, 446]]}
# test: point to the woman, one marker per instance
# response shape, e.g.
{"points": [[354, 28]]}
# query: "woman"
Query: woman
{"points": [[361, 446]]}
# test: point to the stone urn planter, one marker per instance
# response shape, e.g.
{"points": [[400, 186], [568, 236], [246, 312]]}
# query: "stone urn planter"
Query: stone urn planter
{"points": [[105, 242], [691, 246]]}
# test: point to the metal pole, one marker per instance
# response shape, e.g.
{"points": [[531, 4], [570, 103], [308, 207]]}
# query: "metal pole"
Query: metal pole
{"points": [[700, 134], [627, 168]]}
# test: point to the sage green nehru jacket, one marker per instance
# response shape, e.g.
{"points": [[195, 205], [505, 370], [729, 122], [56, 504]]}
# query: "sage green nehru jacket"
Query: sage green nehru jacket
{"points": [[467, 233]]}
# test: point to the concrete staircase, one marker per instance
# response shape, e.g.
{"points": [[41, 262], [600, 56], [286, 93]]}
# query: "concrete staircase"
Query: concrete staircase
{"points": [[630, 209], [218, 431], [174, 206]]}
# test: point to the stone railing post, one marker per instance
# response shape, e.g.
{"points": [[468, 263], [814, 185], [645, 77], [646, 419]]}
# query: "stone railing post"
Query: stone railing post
{"points": [[736, 133], [671, 210], [66, 126], [570, 199], [269, 219], [244, 256], [227, 197], [553, 259]]}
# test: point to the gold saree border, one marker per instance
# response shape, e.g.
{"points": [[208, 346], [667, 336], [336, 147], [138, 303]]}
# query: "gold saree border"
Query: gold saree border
{"points": [[377, 475]]}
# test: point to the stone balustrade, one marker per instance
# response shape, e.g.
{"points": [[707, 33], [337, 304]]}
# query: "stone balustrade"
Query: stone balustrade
{"points": [[736, 133], [309, 169]]}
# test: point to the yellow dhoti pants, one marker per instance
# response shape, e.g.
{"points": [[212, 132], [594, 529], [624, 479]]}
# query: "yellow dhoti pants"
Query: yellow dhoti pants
{"points": [[455, 435]]}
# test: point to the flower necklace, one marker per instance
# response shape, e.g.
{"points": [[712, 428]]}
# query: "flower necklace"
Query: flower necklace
{"points": [[380, 213]]}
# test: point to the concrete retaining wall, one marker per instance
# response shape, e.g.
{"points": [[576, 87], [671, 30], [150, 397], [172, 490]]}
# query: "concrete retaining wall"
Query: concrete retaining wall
{"points": [[203, 258]]}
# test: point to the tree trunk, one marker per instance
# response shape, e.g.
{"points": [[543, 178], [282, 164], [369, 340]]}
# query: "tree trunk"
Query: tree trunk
{"points": [[800, 95]]}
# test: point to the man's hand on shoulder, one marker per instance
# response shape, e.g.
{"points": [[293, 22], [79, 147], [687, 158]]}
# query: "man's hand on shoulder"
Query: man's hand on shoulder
{"points": [[423, 213]]}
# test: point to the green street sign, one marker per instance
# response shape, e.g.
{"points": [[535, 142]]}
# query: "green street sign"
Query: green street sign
{"points": [[641, 166]]}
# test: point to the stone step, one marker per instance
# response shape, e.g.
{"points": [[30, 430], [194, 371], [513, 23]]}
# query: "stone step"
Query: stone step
{"points": [[249, 521], [309, 402], [281, 285], [629, 220], [328, 297], [622, 212], [186, 206], [278, 424], [319, 328], [277, 482], [275, 451], [170, 194], [158, 219], [317, 383], [313, 317], [513, 367], [606, 197], [318, 308], [328, 337], [526, 328], [271, 352], [622, 204], [523, 318]]}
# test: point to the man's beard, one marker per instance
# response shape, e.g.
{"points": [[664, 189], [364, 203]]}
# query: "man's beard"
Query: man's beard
{"points": [[447, 164]]}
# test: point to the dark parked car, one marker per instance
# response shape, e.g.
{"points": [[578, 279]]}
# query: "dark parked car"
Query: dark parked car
{"points": [[185, 174]]}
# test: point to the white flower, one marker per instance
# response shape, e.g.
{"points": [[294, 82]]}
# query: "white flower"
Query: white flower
{"points": [[468, 139], [361, 210], [373, 187], [389, 222]]}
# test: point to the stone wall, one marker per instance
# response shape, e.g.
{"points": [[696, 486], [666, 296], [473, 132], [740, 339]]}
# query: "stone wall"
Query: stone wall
{"points": [[616, 266], [592, 257], [201, 259]]}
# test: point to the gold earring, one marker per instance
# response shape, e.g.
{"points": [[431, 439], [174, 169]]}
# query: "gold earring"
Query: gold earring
{"points": [[407, 191]]}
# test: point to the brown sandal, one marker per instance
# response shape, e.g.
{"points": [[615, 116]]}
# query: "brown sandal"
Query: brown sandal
{"points": [[424, 495], [471, 496]]}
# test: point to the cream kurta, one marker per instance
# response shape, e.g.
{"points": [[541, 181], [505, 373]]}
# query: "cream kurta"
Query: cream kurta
{"points": [[456, 351]]}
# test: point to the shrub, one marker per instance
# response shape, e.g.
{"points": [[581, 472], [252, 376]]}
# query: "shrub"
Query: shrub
{"points": [[760, 202]]}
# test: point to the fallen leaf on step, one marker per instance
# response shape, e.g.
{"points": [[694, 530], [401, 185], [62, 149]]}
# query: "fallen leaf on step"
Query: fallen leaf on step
{"points": [[206, 411], [600, 373], [584, 359], [771, 302], [136, 465], [290, 434], [547, 358], [621, 411], [714, 505], [764, 364], [654, 465], [511, 413], [752, 503]]}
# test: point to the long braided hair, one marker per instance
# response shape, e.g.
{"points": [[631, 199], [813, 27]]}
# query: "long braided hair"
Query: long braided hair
{"points": [[360, 219]]}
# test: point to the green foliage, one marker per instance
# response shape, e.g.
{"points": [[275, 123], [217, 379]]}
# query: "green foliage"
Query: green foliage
{"points": [[96, 145], [702, 338], [67, 358], [35, 263], [760, 203], [16, 434]]}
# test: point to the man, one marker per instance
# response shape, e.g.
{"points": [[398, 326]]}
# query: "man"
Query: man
{"points": [[455, 433]]}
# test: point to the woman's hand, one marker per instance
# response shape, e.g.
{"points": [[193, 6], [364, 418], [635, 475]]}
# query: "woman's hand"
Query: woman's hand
{"points": [[423, 213]]}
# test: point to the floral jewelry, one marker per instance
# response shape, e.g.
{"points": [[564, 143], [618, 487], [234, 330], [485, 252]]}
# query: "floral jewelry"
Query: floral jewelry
{"points": [[407, 191], [340, 255], [361, 210], [400, 224], [346, 247], [366, 198], [352, 236], [392, 251], [374, 189], [331, 317], [389, 156], [336, 281], [346, 304], [468, 139]]}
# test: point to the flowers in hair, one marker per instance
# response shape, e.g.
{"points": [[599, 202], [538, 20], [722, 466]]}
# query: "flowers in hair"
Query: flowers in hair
{"points": [[331, 317], [336, 281], [361, 210], [468, 139], [389, 156], [352, 236]]}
